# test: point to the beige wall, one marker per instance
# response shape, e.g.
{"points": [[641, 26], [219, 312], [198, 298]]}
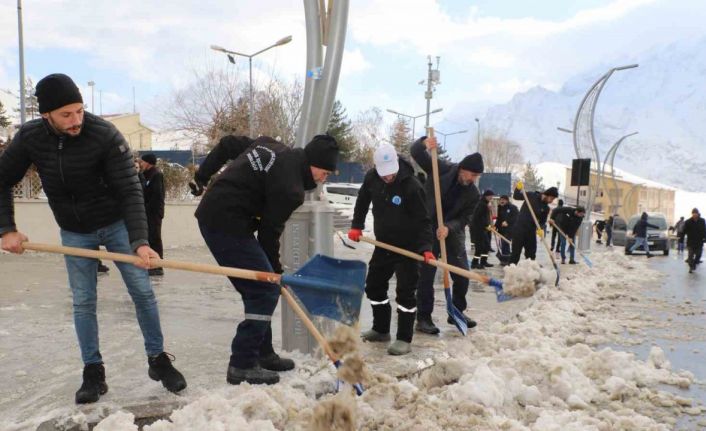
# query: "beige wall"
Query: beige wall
{"points": [[642, 198], [137, 134], [179, 228]]}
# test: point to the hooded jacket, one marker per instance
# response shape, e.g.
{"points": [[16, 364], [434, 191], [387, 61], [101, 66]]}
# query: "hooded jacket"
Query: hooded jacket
{"points": [[457, 201], [258, 191], [640, 229], [400, 214], [90, 179]]}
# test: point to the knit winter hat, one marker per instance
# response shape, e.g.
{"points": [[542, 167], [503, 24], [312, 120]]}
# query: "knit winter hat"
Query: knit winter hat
{"points": [[488, 193], [551, 191], [580, 209], [695, 211], [472, 163], [55, 91], [150, 158], [322, 152]]}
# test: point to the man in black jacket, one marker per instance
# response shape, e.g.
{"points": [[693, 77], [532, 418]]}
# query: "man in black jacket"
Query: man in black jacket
{"points": [[695, 233], [154, 205], [504, 223], [569, 220], [88, 176], [554, 244], [526, 231], [459, 196], [257, 192], [480, 221], [400, 218]]}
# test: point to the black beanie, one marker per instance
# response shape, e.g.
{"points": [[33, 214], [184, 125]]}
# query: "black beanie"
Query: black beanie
{"points": [[473, 163], [150, 158], [322, 152], [488, 193], [56, 90], [551, 191]]}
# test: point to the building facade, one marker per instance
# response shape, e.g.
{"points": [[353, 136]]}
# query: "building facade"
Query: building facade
{"points": [[138, 136]]}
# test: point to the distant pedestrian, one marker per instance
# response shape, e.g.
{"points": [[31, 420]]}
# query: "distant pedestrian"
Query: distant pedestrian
{"points": [[153, 187], [480, 221], [695, 232], [554, 246], [599, 225], [679, 232], [609, 231], [640, 232], [507, 215]]}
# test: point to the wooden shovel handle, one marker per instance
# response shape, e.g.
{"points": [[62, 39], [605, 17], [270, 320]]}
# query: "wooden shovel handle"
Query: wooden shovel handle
{"points": [[443, 265], [437, 200]]}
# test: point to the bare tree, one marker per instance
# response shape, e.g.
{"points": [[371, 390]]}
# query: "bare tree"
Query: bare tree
{"points": [[499, 154], [278, 107], [367, 128]]}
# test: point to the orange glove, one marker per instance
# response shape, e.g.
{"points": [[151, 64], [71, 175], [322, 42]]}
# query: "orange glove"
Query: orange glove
{"points": [[355, 234], [428, 256]]}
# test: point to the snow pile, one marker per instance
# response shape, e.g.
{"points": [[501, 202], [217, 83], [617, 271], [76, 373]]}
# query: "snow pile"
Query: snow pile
{"points": [[525, 278], [541, 371]]}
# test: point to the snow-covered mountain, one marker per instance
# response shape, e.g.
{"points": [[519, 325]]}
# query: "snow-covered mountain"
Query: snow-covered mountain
{"points": [[664, 99]]}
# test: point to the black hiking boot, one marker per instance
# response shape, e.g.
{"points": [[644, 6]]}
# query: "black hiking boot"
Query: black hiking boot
{"points": [[572, 262], [161, 369], [469, 322], [93, 384], [484, 263], [255, 376], [475, 264], [426, 325], [274, 362]]}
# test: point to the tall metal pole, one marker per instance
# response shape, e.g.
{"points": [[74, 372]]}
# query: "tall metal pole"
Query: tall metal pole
{"points": [[478, 135], [252, 102], [22, 62], [100, 101], [428, 95]]}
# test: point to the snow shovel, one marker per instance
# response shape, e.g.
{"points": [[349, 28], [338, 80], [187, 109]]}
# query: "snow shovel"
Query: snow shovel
{"points": [[456, 316], [329, 287], [495, 283], [498, 234], [544, 243], [586, 260]]}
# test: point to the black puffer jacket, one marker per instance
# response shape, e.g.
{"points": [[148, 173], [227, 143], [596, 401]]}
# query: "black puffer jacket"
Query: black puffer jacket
{"points": [[90, 179], [154, 192], [567, 220], [258, 191], [400, 215], [695, 231], [457, 201], [481, 218], [506, 213]]}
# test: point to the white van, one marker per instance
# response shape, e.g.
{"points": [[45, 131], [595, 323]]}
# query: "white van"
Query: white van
{"points": [[341, 193]]}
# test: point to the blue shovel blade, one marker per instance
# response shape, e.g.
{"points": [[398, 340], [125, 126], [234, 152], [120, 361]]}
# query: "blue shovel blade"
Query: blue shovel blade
{"points": [[455, 315], [330, 287]]}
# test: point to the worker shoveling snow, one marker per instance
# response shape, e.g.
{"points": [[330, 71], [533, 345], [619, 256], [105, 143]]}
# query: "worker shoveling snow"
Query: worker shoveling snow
{"points": [[543, 370]]}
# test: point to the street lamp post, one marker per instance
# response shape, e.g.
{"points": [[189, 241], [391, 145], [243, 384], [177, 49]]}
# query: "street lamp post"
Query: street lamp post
{"points": [[445, 135], [413, 117], [283, 41], [93, 100], [478, 135], [22, 62]]}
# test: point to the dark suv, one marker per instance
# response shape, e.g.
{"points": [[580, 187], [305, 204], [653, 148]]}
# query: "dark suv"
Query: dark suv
{"points": [[657, 239]]}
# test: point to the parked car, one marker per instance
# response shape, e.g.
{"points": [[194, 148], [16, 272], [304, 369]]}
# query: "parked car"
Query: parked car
{"points": [[341, 193], [657, 239], [620, 231]]}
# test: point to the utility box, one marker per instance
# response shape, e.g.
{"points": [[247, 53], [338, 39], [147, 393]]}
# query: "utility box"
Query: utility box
{"points": [[308, 231]]}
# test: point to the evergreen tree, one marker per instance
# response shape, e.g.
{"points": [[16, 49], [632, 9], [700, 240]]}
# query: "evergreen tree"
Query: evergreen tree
{"points": [[531, 179], [4, 119], [339, 126], [31, 104]]}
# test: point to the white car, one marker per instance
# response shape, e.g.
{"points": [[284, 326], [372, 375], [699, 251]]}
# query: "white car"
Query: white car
{"points": [[341, 193]]}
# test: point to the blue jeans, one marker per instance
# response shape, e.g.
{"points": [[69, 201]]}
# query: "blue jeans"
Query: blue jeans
{"points": [[83, 277], [638, 242], [562, 248], [253, 338]]}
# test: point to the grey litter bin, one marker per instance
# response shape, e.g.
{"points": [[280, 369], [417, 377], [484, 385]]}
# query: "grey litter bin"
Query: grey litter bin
{"points": [[308, 231]]}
